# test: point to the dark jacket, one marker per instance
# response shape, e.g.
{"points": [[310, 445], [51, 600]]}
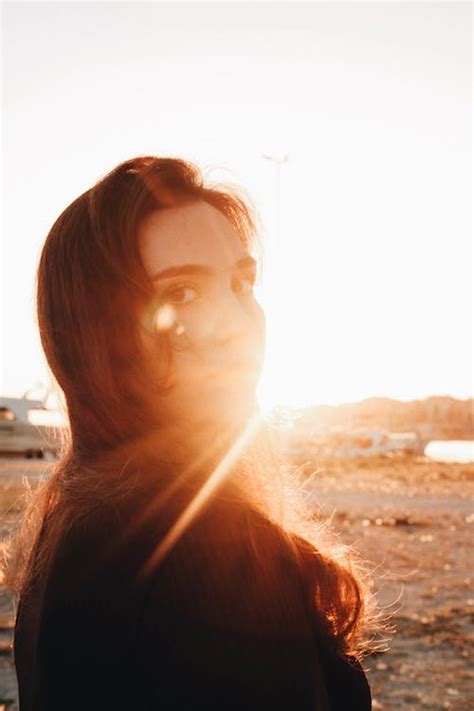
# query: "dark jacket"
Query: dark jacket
{"points": [[209, 628]]}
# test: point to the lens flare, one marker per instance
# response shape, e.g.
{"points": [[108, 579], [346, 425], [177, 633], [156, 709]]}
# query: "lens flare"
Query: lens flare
{"points": [[165, 318]]}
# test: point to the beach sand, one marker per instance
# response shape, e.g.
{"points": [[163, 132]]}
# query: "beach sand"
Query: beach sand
{"points": [[412, 520]]}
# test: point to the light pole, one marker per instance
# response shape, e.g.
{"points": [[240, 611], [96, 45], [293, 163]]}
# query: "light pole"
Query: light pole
{"points": [[278, 159]]}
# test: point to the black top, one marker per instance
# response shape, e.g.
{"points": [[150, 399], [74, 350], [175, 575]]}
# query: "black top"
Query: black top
{"points": [[210, 628]]}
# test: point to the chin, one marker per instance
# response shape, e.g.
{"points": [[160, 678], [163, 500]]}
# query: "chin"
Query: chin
{"points": [[219, 406], [232, 409]]}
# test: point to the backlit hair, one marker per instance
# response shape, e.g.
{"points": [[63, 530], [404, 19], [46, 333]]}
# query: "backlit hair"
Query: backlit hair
{"points": [[91, 290]]}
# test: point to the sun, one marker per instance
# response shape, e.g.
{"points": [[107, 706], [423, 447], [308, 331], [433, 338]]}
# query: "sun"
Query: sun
{"points": [[312, 357], [287, 378]]}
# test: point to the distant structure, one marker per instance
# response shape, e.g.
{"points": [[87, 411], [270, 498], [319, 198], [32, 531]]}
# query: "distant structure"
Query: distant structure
{"points": [[338, 442], [19, 406], [435, 418], [376, 426], [369, 442], [18, 436]]}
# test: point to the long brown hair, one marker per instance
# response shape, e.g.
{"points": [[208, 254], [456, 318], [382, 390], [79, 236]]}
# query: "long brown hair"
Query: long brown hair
{"points": [[92, 292]]}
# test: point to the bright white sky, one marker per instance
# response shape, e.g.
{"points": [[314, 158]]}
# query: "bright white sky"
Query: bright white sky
{"points": [[370, 289]]}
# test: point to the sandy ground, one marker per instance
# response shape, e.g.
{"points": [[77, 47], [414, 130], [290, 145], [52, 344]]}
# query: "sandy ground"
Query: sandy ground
{"points": [[412, 519]]}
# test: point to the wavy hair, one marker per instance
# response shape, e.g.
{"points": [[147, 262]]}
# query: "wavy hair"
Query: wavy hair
{"points": [[92, 291]]}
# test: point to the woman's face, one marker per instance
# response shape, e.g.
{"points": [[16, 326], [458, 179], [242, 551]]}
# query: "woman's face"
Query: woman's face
{"points": [[204, 278]]}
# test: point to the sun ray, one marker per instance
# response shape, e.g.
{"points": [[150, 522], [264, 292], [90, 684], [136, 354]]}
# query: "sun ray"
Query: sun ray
{"points": [[199, 501]]}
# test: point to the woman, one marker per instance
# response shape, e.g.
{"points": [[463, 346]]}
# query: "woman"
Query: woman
{"points": [[160, 566]]}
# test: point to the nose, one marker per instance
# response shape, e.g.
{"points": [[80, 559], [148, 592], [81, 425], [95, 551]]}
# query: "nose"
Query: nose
{"points": [[239, 324]]}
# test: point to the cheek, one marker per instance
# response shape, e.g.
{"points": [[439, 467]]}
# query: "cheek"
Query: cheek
{"points": [[200, 328], [260, 327], [195, 325], [262, 322]]}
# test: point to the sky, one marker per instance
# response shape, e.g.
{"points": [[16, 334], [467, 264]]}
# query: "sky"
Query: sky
{"points": [[367, 272]]}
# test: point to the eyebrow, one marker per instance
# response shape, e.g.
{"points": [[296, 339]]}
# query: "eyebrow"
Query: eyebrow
{"points": [[179, 270]]}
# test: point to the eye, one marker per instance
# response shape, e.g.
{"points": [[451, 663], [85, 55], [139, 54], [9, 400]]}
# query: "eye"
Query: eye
{"points": [[243, 284], [180, 294]]}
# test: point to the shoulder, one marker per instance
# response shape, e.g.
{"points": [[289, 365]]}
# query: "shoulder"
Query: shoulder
{"points": [[224, 611], [346, 682], [230, 570]]}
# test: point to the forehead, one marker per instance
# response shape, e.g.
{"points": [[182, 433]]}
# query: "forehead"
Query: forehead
{"points": [[190, 234]]}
